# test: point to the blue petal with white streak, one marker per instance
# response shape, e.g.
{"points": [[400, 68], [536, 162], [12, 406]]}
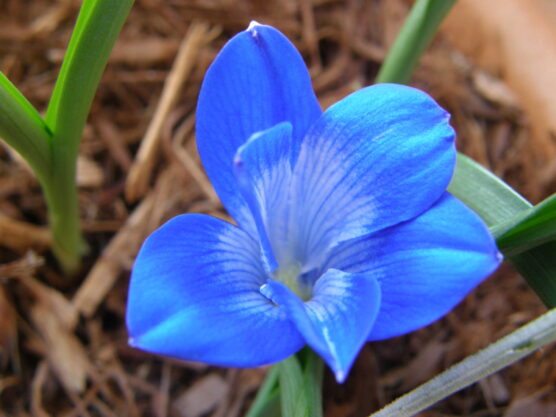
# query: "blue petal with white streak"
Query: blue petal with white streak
{"points": [[424, 266], [337, 319], [257, 81], [194, 295], [263, 168], [380, 156]]}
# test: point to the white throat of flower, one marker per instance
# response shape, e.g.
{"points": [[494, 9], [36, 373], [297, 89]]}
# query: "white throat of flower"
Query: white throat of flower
{"points": [[291, 275]]}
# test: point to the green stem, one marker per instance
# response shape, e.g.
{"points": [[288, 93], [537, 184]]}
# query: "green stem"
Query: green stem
{"points": [[22, 127], [314, 373], [97, 28], [267, 393], [495, 357], [301, 386], [417, 32]]}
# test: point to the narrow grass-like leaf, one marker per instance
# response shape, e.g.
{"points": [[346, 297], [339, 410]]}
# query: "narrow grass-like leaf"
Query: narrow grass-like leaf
{"points": [[497, 204], [528, 229], [538, 267], [313, 374], [485, 193], [301, 385], [417, 32], [267, 394], [493, 358], [97, 28], [22, 127], [98, 25], [293, 399]]}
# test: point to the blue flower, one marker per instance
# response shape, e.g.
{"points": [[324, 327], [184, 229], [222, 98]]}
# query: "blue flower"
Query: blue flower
{"points": [[345, 234]]}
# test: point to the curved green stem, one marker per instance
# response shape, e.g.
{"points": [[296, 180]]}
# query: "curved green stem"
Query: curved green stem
{"points": [[266, 395], [301, 384], [22, 127], [96, 31]]}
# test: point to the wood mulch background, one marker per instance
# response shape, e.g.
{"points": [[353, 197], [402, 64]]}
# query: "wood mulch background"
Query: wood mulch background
{"points": [[63, 349]]}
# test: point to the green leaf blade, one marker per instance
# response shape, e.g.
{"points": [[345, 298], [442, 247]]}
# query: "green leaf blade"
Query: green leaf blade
{"points": [[98, 26], [22, 127], [497, 204], [416, 34], [531, 228], [484, 193], [301, 385]]}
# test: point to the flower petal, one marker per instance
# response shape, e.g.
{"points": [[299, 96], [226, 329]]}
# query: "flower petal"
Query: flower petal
{"points": [[380, 156], [194, 295], [257, 81], [263, 167], [337, 320], [425, 266]]}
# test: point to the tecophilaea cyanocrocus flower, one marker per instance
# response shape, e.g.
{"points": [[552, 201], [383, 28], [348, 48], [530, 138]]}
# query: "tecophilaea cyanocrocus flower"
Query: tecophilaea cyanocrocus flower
{"points": [[345, 234]]}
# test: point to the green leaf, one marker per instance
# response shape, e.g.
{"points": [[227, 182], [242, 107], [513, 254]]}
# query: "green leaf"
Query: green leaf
{"points": [[538, 267], [485, 193], [22, 127], [294, 402], [267, 395], [497, 204], [300, 387], [96, 30], [528, 229], [417, 32], [504, 352], [314, 372]]}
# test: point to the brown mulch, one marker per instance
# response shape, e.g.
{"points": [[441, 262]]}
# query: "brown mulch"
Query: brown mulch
{"points": [[63, 342]]}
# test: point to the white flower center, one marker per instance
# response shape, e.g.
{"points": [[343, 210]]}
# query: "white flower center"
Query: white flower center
{"points": [[291, 276]]}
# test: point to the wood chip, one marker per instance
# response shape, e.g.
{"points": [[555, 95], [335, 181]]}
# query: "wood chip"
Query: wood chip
{"points": [[202, 397], [531, 406], [106, 270], [141, 171], [89, 173], [8, 329], [59, 305], [39, 380], [65, 353], [494, 89], [144, 52], [21, 236], [187, 162]]}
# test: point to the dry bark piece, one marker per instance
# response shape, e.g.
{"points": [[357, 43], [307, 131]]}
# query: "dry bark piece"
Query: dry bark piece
{"points": [[20, 236], [104, 273], [186, 160], [89, 173], [531, 406], [123, 247], [65, 353], [39, 381], [144, 52], [50, 20], [202, 397], [199, 34], [8, 329], [494, 89], [60, 306], [114, 143], [23, 267]]}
